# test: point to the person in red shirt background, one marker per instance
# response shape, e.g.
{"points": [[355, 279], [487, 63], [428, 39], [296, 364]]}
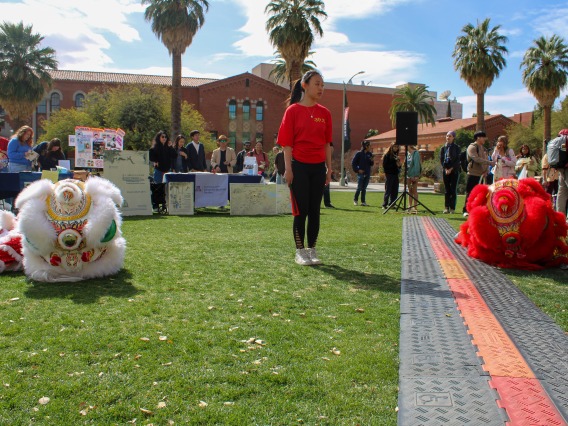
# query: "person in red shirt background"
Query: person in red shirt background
{"points": [[305, 136], [3, 154]]}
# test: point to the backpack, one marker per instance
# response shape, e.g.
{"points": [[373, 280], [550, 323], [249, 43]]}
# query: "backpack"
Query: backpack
{"points": [[463, 160], [557, 155]]}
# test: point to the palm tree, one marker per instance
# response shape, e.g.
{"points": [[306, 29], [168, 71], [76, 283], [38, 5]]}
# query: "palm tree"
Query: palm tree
{"points": [[545, 73], [24, 70], [414, 98], [279, 71], [175, 23], [291, 29], [479, 57]]}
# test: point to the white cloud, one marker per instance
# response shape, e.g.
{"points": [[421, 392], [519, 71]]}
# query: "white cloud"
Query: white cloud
{"points": [[382, 68], [77, 28], [552, 21], [507, 104]]}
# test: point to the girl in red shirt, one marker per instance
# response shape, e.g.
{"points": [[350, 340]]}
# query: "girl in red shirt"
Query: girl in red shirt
{"points": [[305, 135]]}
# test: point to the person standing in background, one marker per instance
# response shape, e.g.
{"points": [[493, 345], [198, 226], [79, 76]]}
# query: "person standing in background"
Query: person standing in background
{"points": [[279, 165], [180, 163], [414, 170], [196, 153], [241, 156], [305, 135], [161, 155], [261, 159], [361, 164], [391, 167], [223, 158], [505, 160], [478, 165], [450, 160]]}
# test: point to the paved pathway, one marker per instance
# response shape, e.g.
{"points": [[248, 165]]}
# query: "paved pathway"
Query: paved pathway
{"points": [[474, 350]]}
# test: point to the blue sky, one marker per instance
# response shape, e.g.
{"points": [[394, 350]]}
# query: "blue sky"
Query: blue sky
{"points": [[393, 41]]}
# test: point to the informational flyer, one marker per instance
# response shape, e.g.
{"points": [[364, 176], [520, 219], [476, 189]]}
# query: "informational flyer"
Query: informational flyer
{"points": [[180, 198], [128, 170], [91, 144]]}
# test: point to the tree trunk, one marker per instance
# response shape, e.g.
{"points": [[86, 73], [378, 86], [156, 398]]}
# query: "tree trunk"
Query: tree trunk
{"points": [[480, 112], [176, 94], [547, 121]]}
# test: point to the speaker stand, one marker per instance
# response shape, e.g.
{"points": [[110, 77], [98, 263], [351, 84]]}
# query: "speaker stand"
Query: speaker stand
{"points": [[401, 199]]}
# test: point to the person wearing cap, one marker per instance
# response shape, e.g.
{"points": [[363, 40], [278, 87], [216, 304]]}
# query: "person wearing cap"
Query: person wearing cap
{"points": [[450, 160], [224, 158], [196, 153], [361, 164], [247, 146], [478, 165]]}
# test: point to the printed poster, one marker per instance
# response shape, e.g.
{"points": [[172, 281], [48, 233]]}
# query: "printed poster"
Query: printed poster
{"points": [[128, 170]]}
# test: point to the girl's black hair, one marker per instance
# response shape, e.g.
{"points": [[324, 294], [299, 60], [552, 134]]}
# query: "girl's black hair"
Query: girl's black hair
{"points": [[160, 133], [298, 90]]}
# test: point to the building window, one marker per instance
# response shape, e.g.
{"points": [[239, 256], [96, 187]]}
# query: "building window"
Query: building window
{"points": [[246, 111], [233, 139], [55, 102], [79, 99], [259, 137], [259, 111], [232, 109], [42, 107], [246, 137], [247, 82]]}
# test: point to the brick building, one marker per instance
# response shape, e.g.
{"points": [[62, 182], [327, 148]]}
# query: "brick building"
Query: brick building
{"points": [[430, 137], [247, 106]]}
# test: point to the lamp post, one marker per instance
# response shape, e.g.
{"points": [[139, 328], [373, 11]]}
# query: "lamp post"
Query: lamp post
{"points": [[342, 180]]}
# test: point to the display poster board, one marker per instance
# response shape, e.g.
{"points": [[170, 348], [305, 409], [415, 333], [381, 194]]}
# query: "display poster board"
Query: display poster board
{"points": [[180, 198], [211, 190], [128, 170], [254, 199], [92, 143]]}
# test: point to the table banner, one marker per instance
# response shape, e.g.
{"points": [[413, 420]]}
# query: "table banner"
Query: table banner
{"points": [[211, 190]]}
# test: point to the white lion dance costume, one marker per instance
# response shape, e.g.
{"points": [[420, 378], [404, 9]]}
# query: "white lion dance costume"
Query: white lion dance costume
{"points": [[70, 230]]}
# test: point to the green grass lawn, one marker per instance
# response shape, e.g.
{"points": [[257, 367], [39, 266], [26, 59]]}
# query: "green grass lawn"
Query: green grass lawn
{"points": [[212, 322]]}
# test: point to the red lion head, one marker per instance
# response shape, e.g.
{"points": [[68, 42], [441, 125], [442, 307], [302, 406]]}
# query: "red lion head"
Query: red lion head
{"points": [[512, 224]]}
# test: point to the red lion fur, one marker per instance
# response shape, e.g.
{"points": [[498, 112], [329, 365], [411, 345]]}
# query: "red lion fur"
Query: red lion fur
{"points": [[512, 224]]}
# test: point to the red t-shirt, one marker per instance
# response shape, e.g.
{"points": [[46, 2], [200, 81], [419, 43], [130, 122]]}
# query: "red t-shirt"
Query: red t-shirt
{"points": [[307, 130]]}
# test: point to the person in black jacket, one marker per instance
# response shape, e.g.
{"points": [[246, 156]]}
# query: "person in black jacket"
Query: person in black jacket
{"points": [[361, 163], [161, 156], [391, 167], [196, 153], [450, 160]]}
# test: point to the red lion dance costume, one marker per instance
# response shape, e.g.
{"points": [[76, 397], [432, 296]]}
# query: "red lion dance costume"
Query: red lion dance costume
{"points": [[512, 224]]}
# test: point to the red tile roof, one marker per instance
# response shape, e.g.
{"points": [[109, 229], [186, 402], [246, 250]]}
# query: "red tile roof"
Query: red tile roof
{"points": [[120, 78], [441, 127]]}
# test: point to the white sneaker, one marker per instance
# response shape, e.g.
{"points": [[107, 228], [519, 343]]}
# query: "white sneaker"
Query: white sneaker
{"points": [[313, 256], [452, 211], [355, 203], [446, 211], [365, 204], [466, 214], [302, 257]]}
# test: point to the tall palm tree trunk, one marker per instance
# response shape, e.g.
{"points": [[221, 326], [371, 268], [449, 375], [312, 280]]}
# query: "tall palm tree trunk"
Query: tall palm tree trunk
{"points": [[480, 112], [547, 121], [176, 94]]}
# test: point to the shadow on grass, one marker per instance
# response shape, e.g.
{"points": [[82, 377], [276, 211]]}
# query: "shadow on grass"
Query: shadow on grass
{"points": [[362, 280], [84, 292]]}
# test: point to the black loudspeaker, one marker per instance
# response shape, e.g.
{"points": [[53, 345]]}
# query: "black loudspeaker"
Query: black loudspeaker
{"points": [[407, 128]]}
